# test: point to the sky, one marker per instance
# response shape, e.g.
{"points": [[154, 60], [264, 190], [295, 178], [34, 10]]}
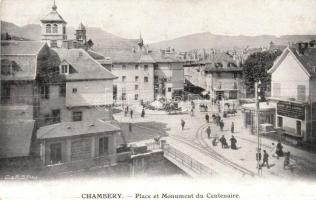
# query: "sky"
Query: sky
{"points": [[159, 20]]}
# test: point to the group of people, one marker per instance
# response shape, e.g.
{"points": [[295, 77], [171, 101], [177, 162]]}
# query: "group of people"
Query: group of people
{"points": [[131, 112], [276, 151]]}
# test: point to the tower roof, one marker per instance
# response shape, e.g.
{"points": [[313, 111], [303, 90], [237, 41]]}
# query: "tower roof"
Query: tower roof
{"points": [[53, 16], [81, 27]]}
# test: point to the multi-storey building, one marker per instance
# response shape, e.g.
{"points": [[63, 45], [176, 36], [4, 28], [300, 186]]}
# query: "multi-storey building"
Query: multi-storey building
{"points": [[293, 83]]}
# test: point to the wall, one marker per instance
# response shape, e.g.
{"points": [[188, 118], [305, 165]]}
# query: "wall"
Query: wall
{"points": [[145, 91], [69, 154], [294, 76], [59, 36]]}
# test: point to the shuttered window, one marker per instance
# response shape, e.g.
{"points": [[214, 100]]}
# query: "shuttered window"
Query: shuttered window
{"points": [[301, 92]]}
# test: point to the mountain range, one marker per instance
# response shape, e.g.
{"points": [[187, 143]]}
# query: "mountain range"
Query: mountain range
{"points": [[104, 40]]}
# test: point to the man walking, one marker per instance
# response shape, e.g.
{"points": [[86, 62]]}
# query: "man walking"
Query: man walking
{"points": [[182, 124], [207, 118], [232, 128], [208, 131], [265, 159], [221, 124], [131, 113]]}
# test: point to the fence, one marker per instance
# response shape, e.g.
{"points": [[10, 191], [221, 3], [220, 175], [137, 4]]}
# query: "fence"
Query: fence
{"points": [[187, 161]]}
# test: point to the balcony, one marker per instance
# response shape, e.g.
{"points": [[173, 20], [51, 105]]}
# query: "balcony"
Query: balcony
{"points": [[226, 86]]}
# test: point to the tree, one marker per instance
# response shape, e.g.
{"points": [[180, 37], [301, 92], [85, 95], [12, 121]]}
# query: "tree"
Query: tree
{"points": [[255, 69]]}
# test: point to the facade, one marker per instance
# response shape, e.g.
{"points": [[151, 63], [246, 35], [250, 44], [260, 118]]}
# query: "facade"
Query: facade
{"points": [[53, 28], [84, 143], [168, 74], [18, 107], [294, 94]]}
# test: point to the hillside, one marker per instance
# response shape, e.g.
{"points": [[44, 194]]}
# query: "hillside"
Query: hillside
{"points": [[209, 40], [101, 39]]}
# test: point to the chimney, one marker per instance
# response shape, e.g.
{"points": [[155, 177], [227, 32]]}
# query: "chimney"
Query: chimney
{"points": [[302, 46]]}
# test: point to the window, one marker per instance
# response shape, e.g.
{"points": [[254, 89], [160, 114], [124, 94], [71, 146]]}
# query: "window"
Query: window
{"points": [[64, 69], [299, 127], [280, 122], [6, 69], [301, 92], [232, 95], [47, 118], [218, 74], [169, 89], [136, 87], [103, 146], [56, 115], [55, 28], [145, 79], [155, 66], [5, 92], [123, 93], [136, 67], [45, 91], [62, 90], [123, 67], [136, 78], [48, 28], [276, 89], [156, 79], [77, 116], [55, 153], [53, 43], [136, 97], [146, 67], [235, 75], [74, 90], [123, 78], [64, 30], [115, 92]]}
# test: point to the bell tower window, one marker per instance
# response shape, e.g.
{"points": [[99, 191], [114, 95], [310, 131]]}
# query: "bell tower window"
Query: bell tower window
{"points": [[55, 28], [48, 28]]}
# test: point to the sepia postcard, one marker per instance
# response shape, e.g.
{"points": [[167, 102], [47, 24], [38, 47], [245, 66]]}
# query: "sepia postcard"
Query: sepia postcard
{"points": [[158, 99]]}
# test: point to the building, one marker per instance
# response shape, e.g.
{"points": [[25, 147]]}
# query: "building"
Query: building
{"points": [[219, 76], [53, 28], [168, 74], [293, 83], [83, 143], [18, 108]]}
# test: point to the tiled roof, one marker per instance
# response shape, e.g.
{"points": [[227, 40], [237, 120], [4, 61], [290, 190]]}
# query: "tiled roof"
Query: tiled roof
{"points": [[10, 47], [158, 56], [308, 59], [15, 138], [23, 54], [85, 66], [53, 16], [128, 56], [68, 129]]}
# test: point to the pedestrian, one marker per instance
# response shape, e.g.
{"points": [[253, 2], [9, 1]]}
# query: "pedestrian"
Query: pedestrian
{"points": [[279, 149], [206, 108], [273, 151], [233, 142], [192, 112], [286, 160], [125, 112], [223, 142], [130, 127], [182, 124], [207, 118], [127, 108], [265, 159], [232, 128], [221, 124], [143, 113], [131, 113], [208, 131], [215, 141]]}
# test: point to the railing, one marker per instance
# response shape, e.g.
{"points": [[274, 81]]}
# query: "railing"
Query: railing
{"points": [[153, 146], [187, 161]]}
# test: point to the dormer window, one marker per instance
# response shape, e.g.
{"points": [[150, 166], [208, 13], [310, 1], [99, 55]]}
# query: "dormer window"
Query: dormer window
{"points": [[64, 69], [55, 28], [48, 28]]}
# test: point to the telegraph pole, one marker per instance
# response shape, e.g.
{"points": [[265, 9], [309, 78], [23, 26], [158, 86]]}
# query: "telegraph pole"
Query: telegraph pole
{"points": [[257, 112]]}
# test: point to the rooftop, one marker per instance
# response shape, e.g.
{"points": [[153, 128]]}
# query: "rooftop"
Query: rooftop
{"points": [[85, 66], [68, 129]]}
